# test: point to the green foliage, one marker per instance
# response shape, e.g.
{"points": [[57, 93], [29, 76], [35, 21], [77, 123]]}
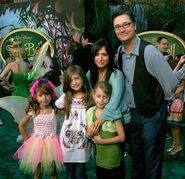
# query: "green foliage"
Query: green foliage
{"points": [[98, 19], [168, 17]]}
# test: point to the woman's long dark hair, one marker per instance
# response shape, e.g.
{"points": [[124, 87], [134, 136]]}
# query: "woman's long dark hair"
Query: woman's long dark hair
{"points": [[93, 67]]}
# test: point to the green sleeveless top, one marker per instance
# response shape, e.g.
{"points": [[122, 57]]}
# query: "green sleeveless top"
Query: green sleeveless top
{"points": [[21, 84]]}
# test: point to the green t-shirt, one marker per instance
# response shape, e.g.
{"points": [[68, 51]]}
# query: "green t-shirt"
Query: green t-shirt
{"points": [[108, 155]]}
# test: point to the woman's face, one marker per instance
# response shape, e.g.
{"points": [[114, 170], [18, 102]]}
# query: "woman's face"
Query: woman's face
{"points": [[101, 59]]}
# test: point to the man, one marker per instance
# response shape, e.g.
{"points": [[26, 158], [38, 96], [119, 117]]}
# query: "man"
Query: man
{"points": [[162, 44], [81, 56], [150, 82]]}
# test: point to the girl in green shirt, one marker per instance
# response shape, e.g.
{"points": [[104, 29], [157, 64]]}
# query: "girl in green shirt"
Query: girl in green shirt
{"points": [[107, 138]]}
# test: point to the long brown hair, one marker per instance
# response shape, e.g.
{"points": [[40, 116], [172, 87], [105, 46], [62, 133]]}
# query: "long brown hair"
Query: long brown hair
{"points": [[71, 70]]}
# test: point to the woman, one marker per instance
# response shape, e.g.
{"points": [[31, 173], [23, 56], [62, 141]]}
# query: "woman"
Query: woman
{"points": [[177, 115], [102, 68]]}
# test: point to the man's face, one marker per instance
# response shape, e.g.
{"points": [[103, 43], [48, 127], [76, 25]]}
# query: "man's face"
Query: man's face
{"points": [[124, 28], [162, 45]]}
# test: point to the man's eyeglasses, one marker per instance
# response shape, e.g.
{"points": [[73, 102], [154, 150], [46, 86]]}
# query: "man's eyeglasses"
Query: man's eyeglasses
{"points": [[125, 25]]}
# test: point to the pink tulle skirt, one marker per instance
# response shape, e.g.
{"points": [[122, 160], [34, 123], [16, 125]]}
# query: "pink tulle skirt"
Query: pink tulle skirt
{"points": [[37, 150]]}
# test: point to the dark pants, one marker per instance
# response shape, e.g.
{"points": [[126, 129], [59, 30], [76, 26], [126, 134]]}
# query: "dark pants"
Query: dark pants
{"points": [[76, 170], [125, 147], [147, 144], [103, 173]]}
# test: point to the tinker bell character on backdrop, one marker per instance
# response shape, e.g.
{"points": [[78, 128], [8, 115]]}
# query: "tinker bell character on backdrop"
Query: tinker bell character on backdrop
{"points": [[74, 102], [20, 72], [19, 69], [40, 152]]}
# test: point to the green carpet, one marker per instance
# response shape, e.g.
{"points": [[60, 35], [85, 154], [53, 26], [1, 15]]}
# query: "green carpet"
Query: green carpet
{"points": [[9, 168]]}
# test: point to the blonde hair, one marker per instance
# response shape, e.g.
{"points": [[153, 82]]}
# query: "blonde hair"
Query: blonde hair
{"points": [[104, 86], [19, 52]]}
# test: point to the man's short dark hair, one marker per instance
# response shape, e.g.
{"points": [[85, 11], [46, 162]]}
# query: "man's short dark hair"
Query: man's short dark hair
{"points": [[160, 38], [122, 12]]}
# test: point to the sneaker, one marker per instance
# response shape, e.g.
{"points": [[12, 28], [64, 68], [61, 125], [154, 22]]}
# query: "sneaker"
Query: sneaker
{"points": [[1, 122]]}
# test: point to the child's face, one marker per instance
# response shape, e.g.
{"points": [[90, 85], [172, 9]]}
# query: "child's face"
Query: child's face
{"points": [[100, 98], [76, 82], [43, 99]]}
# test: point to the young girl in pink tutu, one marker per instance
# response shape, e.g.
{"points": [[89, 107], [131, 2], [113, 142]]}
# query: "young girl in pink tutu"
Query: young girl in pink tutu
{"points": [[41, 152]]}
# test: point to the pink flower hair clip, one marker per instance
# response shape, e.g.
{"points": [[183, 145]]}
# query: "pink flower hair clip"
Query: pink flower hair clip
{"points": [[40, 81]]}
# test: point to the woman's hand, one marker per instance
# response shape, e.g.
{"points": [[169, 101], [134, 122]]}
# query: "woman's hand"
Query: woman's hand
{"points": [[180, 62], [182, 59]]}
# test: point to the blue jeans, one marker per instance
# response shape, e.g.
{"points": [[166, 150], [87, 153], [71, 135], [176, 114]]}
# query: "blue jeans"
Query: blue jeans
{"points": [[76, 170], [147, 141]]}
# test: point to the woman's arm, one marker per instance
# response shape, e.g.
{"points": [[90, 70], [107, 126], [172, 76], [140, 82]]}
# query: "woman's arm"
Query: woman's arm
{"points": [[5, 71], [115, 107], [181, 61], [117, 139], [22, 126]]}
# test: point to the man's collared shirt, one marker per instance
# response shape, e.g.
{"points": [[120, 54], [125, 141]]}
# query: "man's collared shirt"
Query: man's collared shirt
{"points": [[156, 65]]}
